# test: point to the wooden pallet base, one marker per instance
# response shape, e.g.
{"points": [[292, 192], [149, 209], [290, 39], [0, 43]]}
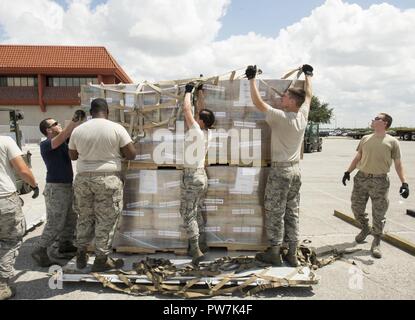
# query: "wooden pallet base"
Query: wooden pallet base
{"points": [[137, 250], [133, 165], [239, 246], [230, 247]]}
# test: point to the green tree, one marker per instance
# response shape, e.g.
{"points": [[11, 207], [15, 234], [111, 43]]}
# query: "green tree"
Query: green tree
{"points": [[319, 112]]}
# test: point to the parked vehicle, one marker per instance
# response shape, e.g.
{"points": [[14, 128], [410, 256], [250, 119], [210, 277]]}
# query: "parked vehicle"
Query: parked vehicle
{"points": [[312, 139]]}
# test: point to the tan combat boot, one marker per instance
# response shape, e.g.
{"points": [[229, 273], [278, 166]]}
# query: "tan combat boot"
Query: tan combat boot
{"points": [[271, 255], [81, 259], [6, 292], [376, 253], [361, 237], [195, 252], [291, 256], [105, 263], [40, 255]]}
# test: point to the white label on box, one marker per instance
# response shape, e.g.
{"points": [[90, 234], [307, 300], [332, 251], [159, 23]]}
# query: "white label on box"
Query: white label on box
{"points": [[169, 234], [138, 204], [148, 182], [143, 157], [169, 215], [219, 134], [214, 201], [172, 184], [109, 100], [169, 204], [244, 124], [213, 88], [212, 229], [216, 144], [248, 171], [210, 208], [129, 100], [135, 234], [169, 156], [133, 213], [220, 114], [132, 176], [243, 211], [245, 179], [213, 181], [244, 229], [244, 94]]}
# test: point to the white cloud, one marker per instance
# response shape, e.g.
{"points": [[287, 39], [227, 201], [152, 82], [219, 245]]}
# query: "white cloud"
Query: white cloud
{"points": [[363, 58]]}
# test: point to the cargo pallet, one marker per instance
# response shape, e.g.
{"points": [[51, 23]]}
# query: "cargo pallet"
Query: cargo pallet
{"points": [[138, 250], [230, 247]]}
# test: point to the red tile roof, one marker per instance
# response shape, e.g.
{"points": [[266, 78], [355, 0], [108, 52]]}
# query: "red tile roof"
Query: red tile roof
{"points": [[49, 59]]}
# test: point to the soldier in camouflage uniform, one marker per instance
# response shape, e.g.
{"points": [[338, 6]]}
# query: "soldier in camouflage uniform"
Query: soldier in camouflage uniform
{"points": [[374, 159], [282, 192], [12, 221], [194, 182], [99, 145], [61, 219]]}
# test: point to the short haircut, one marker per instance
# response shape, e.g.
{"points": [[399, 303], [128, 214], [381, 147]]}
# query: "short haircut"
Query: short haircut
{"points": [[298, 95], [388, 119], [43, 125], [98, 105], [208, 117]]}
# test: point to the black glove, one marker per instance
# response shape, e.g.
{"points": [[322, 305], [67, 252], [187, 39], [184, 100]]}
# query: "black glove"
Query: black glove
{"points": [[404, 190], [35, 192], [251, 72], [189, 87], [346, 176], [79, 115], [308, 70]]}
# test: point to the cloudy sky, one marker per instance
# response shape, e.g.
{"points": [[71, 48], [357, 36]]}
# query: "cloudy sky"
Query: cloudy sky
{"points": [[363, 51]]}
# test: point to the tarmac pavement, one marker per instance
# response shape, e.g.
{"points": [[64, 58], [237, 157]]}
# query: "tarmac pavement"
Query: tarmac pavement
{"points": [[358, 277]]}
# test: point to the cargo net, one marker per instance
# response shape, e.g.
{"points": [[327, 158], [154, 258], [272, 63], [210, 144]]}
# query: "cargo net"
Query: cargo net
{"points": [[147, 105], [234, 275]]}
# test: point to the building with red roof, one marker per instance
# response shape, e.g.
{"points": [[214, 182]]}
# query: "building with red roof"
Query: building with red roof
{"points": [[45, 81]]}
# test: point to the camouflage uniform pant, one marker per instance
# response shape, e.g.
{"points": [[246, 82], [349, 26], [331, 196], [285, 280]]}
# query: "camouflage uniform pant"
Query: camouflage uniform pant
{"points": [[98, 201], [281, 202], [61, 219], [12, 230], [193, 188], [377, 189]]}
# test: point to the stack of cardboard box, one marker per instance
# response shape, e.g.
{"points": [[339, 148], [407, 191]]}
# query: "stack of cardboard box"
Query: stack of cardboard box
{"points": [[237, 161]]}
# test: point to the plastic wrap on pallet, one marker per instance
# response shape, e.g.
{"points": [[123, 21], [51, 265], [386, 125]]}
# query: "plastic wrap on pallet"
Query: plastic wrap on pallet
{"points": [[151, 217]]}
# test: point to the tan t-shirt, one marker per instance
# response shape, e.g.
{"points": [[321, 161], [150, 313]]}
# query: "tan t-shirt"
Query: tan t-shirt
{"points": [[98, 142], [378, 153], [287, 133], [195, 147], [8, 151]]}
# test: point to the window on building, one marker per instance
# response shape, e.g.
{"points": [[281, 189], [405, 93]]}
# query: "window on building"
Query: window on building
{"points": [[70, 81], [3, 82], [18, 81]]}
